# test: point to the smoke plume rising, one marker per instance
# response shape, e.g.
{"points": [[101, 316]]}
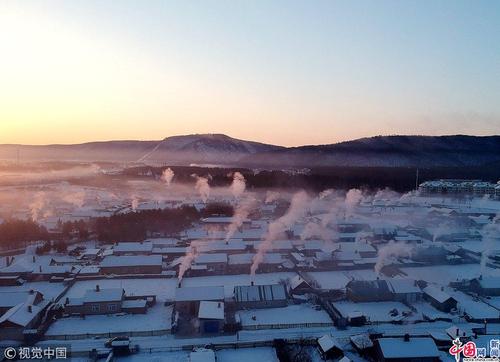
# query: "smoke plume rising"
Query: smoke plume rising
{"points": [[238, 186], [167, 176], [202, 187], [391, 252], [297, 210]]}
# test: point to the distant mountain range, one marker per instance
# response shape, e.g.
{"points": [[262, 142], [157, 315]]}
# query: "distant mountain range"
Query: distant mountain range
{"points": [[219, 149]]}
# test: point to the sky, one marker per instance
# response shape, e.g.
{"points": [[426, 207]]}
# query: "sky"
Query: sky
{"points": [[278, 71]]}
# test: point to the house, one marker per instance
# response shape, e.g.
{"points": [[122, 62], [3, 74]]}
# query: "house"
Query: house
{"points": [[47, 272], [11, 299], [298, 285], [211, 317], [18, 320], [187, 299], [21, 314], [260, 296], [222, 246], [240, 263], [329, 348], [96, 301], [439, 299], [214, 262], [222, 222], [368, 291], [486, 286], [90, 254], [133, 248], [151, 264], [405, 290], [406, 350]]}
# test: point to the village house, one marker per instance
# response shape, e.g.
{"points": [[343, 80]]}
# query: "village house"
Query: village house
{"points": [[439, 299], [133, 248], [108, 301], [187, 299], [406, 350], [211, 317], [23, 315], [151, 264], [486, 286], [241, 263], [368, 291], [260, 296]]}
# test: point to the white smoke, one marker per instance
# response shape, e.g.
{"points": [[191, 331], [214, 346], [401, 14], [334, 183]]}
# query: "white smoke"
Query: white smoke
{"points": [[38, 206], [325, 193], [315, 230], [135, 203], [188, 259], [391, 252], [352, 200], [297, 210], [202, 187], [167, 176], [238, 186], [240, 215], [491, 236], [74, 197], [271, 196]]}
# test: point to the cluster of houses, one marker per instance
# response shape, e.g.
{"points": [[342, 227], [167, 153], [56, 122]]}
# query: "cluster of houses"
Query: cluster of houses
{"points": [[458, 187], [354, 296]]}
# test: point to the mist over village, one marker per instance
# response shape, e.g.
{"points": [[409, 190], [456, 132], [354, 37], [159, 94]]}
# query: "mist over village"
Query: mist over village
{"points": [[222, 181]]}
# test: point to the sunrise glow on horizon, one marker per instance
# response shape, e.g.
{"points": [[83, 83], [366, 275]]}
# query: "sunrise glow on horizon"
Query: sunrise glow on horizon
{"points": [[281, 72]]}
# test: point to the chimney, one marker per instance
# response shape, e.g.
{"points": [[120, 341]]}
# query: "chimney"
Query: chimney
{"points": [[30, 309], [407, 337], [66, 301], [218, 305], [40, 268], [252, 283], [97, 288], [179, 285], [34, 258], [480, 276], [456, 332], [32, 291]]}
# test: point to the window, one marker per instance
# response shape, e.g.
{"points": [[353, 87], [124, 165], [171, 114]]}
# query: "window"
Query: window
{"points": [[112, 307], [95, 308]]}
